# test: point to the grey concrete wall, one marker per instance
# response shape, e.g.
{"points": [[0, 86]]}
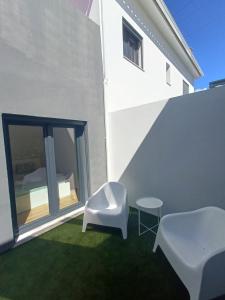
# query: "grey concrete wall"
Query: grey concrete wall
{"points": [[51, 66], [180, 158]]}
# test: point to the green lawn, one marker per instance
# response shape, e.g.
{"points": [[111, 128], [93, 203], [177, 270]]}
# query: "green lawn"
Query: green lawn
{"points": [[65, 263]]}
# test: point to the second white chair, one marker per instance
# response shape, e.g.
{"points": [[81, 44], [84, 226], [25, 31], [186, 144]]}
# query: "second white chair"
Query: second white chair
{"points": [[108, 207], [194, 244]]}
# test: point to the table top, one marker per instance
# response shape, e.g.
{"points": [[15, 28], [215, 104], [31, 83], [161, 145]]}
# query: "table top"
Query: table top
{"points": [[149, 202]]}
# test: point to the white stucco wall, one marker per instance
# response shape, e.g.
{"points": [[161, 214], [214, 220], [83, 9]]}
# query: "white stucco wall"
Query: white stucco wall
{"points": [[51, 66], [94, 12], [89, 8], [125, 84], [172, 149]]}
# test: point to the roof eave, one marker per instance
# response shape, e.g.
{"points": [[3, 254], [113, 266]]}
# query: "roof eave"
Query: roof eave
{"points": [[178, 41], [179, 36]]}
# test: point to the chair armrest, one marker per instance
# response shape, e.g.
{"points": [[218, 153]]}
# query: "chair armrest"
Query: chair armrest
{"points": [[125, 203], [97, 198]]}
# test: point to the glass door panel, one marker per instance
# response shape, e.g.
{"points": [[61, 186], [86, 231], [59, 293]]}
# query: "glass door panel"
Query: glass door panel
{"points": [[66, 166], [29, 172]]}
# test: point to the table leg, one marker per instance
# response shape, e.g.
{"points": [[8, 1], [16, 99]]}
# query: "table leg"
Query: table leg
{"points": [[159, 212], [139, 223]]}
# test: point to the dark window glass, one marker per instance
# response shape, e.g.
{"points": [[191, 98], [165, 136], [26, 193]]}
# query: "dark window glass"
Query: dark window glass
{"points": [[168, 77], [29, 173], [132, 45], [185, 88]]}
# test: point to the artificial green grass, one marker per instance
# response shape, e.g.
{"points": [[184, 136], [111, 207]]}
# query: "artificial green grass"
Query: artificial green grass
{"points": [[65, 263]]}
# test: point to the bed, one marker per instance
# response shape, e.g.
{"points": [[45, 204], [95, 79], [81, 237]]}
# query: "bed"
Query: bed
{"points": [[32, 194]]}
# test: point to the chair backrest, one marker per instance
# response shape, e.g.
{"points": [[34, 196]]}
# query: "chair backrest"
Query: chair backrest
{"points": [[115, 193], [212, 226]]}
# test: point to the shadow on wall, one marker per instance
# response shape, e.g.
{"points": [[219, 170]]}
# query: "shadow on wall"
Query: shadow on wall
{"points": [[182, 158]]}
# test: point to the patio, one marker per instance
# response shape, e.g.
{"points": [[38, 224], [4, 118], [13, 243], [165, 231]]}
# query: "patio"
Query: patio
{"points": [[65, 263]]}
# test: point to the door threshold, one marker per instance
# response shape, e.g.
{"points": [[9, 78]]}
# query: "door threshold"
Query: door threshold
{"points": [[29, 235]]}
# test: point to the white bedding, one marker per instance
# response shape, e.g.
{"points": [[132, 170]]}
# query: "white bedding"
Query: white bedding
{"points": [[34, 191], [40, 175]]}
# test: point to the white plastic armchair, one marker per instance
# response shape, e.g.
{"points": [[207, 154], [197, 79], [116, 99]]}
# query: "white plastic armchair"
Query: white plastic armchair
{"points": [[194, 244], [108, 207]]}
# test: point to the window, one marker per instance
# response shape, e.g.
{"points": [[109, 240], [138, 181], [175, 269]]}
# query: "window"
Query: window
{"points": [[47, 168], [132, 45], [185, 88], [168, 79], [29, 173]]}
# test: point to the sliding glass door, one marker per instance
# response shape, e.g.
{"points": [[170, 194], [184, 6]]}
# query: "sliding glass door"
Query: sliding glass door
{"points": [[29, 173], [66, 166], [47, 162]]}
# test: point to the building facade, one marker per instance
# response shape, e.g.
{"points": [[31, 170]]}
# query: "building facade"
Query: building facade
{"points": [[146, 58], [66, 67], [52, 145]]}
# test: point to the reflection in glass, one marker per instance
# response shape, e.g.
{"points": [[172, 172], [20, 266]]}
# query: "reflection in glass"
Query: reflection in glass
{"points": [[66, 166], [29, 173]]}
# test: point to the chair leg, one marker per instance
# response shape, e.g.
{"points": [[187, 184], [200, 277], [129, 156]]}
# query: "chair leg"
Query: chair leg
{"points": [[156, 244], [194, 295], [84, 226], [124, 232]]}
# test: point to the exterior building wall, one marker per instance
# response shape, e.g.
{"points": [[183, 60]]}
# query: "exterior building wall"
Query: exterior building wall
{"points": [[172, 149], [125, 84], [89, 8], [51, 66]]}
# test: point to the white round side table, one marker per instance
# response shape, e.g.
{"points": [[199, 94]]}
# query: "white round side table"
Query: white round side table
{"points": [[148, 203]]}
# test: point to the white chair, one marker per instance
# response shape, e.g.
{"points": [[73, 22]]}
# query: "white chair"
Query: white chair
{"points": [[108, 207], [194, 244]]}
